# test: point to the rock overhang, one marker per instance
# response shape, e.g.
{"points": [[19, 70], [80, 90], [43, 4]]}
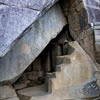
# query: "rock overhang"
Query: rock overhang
{"points": [[16, 16], [31, 43]]}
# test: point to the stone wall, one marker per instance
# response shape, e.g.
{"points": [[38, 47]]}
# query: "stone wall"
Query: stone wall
{"points": [[79, 27]]}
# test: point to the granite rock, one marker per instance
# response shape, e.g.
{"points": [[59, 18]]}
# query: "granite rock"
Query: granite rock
{"points": [[31, 44], [16, 16]]}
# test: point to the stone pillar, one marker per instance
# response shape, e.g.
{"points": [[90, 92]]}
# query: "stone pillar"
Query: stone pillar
{"points": [[56, 51], [46, 61]]}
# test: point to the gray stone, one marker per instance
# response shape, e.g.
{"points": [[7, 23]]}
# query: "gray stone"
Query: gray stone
{"points": [[7, 92], [20, 86], [91, 89], [16, 16], [15, 98], [29, 4], [31, 44]]}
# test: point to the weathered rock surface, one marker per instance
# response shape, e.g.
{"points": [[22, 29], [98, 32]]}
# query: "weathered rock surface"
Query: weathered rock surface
{"points": [[16, 16], [31, 44], [7, 92], [81, 13]]}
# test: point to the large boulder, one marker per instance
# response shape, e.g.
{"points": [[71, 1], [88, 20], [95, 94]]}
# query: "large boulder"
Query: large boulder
{"points": [[31, 44], [16, 16]]}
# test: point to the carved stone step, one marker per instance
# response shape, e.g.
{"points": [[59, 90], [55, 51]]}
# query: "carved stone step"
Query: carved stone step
{"points": [[62, 60], [33, 92]]}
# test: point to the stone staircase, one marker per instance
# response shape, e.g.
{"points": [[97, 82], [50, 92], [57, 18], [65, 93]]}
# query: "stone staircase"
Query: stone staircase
{"points": [[73, 79]]}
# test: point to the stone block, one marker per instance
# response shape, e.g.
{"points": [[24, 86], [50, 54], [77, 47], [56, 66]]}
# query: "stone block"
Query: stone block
{"points": [[7, 92], [62, 60], [31, 44], [16, 16]]}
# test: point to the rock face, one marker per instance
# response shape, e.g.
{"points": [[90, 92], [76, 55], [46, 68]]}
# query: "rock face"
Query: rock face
{"points": [[16, 16], [7, 93], [31, 44], [81, 13]]}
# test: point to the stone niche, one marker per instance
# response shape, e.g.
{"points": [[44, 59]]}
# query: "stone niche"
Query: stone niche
{"points": [[45, 63]]}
